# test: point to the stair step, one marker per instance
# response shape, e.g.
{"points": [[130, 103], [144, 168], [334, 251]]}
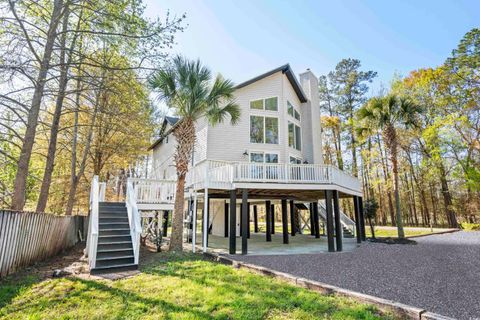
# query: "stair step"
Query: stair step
{"points": [[114, 232], [112, 239], [103, 220], [111, 204], [114, 268], [112, 216], [113, 210], [115, 250], [114, 225], [113, 262], [115, 257], [119, 245]]}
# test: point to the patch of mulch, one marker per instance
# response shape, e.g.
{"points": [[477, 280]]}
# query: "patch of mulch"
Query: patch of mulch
{"points": [[390, 240]]}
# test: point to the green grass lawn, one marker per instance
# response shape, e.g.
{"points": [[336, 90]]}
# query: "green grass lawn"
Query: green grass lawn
{"points": [[175, 287], [382, 232]]}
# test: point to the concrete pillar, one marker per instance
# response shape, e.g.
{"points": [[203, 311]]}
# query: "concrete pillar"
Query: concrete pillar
{"points": [[233, 222], [338, 222]]}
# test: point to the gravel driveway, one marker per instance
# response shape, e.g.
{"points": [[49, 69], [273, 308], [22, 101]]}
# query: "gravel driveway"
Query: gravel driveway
{"points": [[441, 273]]}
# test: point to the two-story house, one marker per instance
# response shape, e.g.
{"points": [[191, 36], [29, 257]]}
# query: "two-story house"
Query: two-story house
{"points": [[272, 156]]}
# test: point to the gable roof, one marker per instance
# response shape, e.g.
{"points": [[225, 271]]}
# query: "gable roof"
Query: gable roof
{"points": [[286, 70], [172, 121]]}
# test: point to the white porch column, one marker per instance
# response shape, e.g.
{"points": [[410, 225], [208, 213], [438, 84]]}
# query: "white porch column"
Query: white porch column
{"points": [[194, 222], [205, 220]]}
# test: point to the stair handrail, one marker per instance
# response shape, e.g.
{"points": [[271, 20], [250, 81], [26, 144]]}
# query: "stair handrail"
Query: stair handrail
{"points": [[345, 220], [92, 239], [133, 220]]}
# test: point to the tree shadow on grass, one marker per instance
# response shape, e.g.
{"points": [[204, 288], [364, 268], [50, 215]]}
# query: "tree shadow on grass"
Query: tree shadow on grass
{"points": [[249, 295], [99, 293]]}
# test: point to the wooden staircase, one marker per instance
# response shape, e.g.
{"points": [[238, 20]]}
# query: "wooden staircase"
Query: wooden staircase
{"points": [[115, 247]]}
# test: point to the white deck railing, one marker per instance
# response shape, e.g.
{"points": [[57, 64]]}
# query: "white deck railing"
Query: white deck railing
{"points": [[224, 174], [133, 220], [153, 191], [92, 239]]}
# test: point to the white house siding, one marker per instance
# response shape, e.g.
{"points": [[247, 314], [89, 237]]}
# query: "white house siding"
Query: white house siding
{"points": [[229, 143], [289, 94], [163, 167], [313, 132], [226, 142]]}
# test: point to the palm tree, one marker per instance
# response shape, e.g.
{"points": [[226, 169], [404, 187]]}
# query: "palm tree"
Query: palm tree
{"points": [[388, 114], [187, 89]]}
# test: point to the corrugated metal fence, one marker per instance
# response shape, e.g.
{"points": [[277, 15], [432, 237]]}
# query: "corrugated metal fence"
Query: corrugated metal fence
{"points": [[26, 237]]}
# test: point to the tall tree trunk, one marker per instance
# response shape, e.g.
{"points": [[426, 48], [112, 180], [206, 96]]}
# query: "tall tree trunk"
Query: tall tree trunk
{"points": [[386, 175], [52, 145], [75, 178], [19, 194], [390, 137], [447, 199], [185, 135]]}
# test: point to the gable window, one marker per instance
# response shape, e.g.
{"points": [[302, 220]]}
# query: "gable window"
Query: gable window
{"points": [[269, 104], [292, 111], [263, 130], [294, 136]]}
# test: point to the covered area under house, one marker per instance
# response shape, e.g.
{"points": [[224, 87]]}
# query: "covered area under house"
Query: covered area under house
{"points": [[290, 204]]}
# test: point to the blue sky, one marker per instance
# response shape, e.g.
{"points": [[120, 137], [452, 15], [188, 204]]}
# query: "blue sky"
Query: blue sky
{"points": [[242, 39]]}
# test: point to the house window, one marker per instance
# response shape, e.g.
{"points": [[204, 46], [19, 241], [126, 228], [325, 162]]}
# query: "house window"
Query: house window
{"points": [[256, 104], [294, 136], [256, 129], [263, 130], [261, 157], [269, 104], [292, 111], [256, 157], [295, 160]]}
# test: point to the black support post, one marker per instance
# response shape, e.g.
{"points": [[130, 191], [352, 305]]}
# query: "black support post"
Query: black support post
{"points": [[328, 207], [233, 222], [226, 220], [165, 222], [272, 212], [268, 218], [316, 226], [293, 225], [362, 218], [312, 225], [285, 221], [338, 222], [357, 219], [244, 221], [248, 219], [255, 218]]}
